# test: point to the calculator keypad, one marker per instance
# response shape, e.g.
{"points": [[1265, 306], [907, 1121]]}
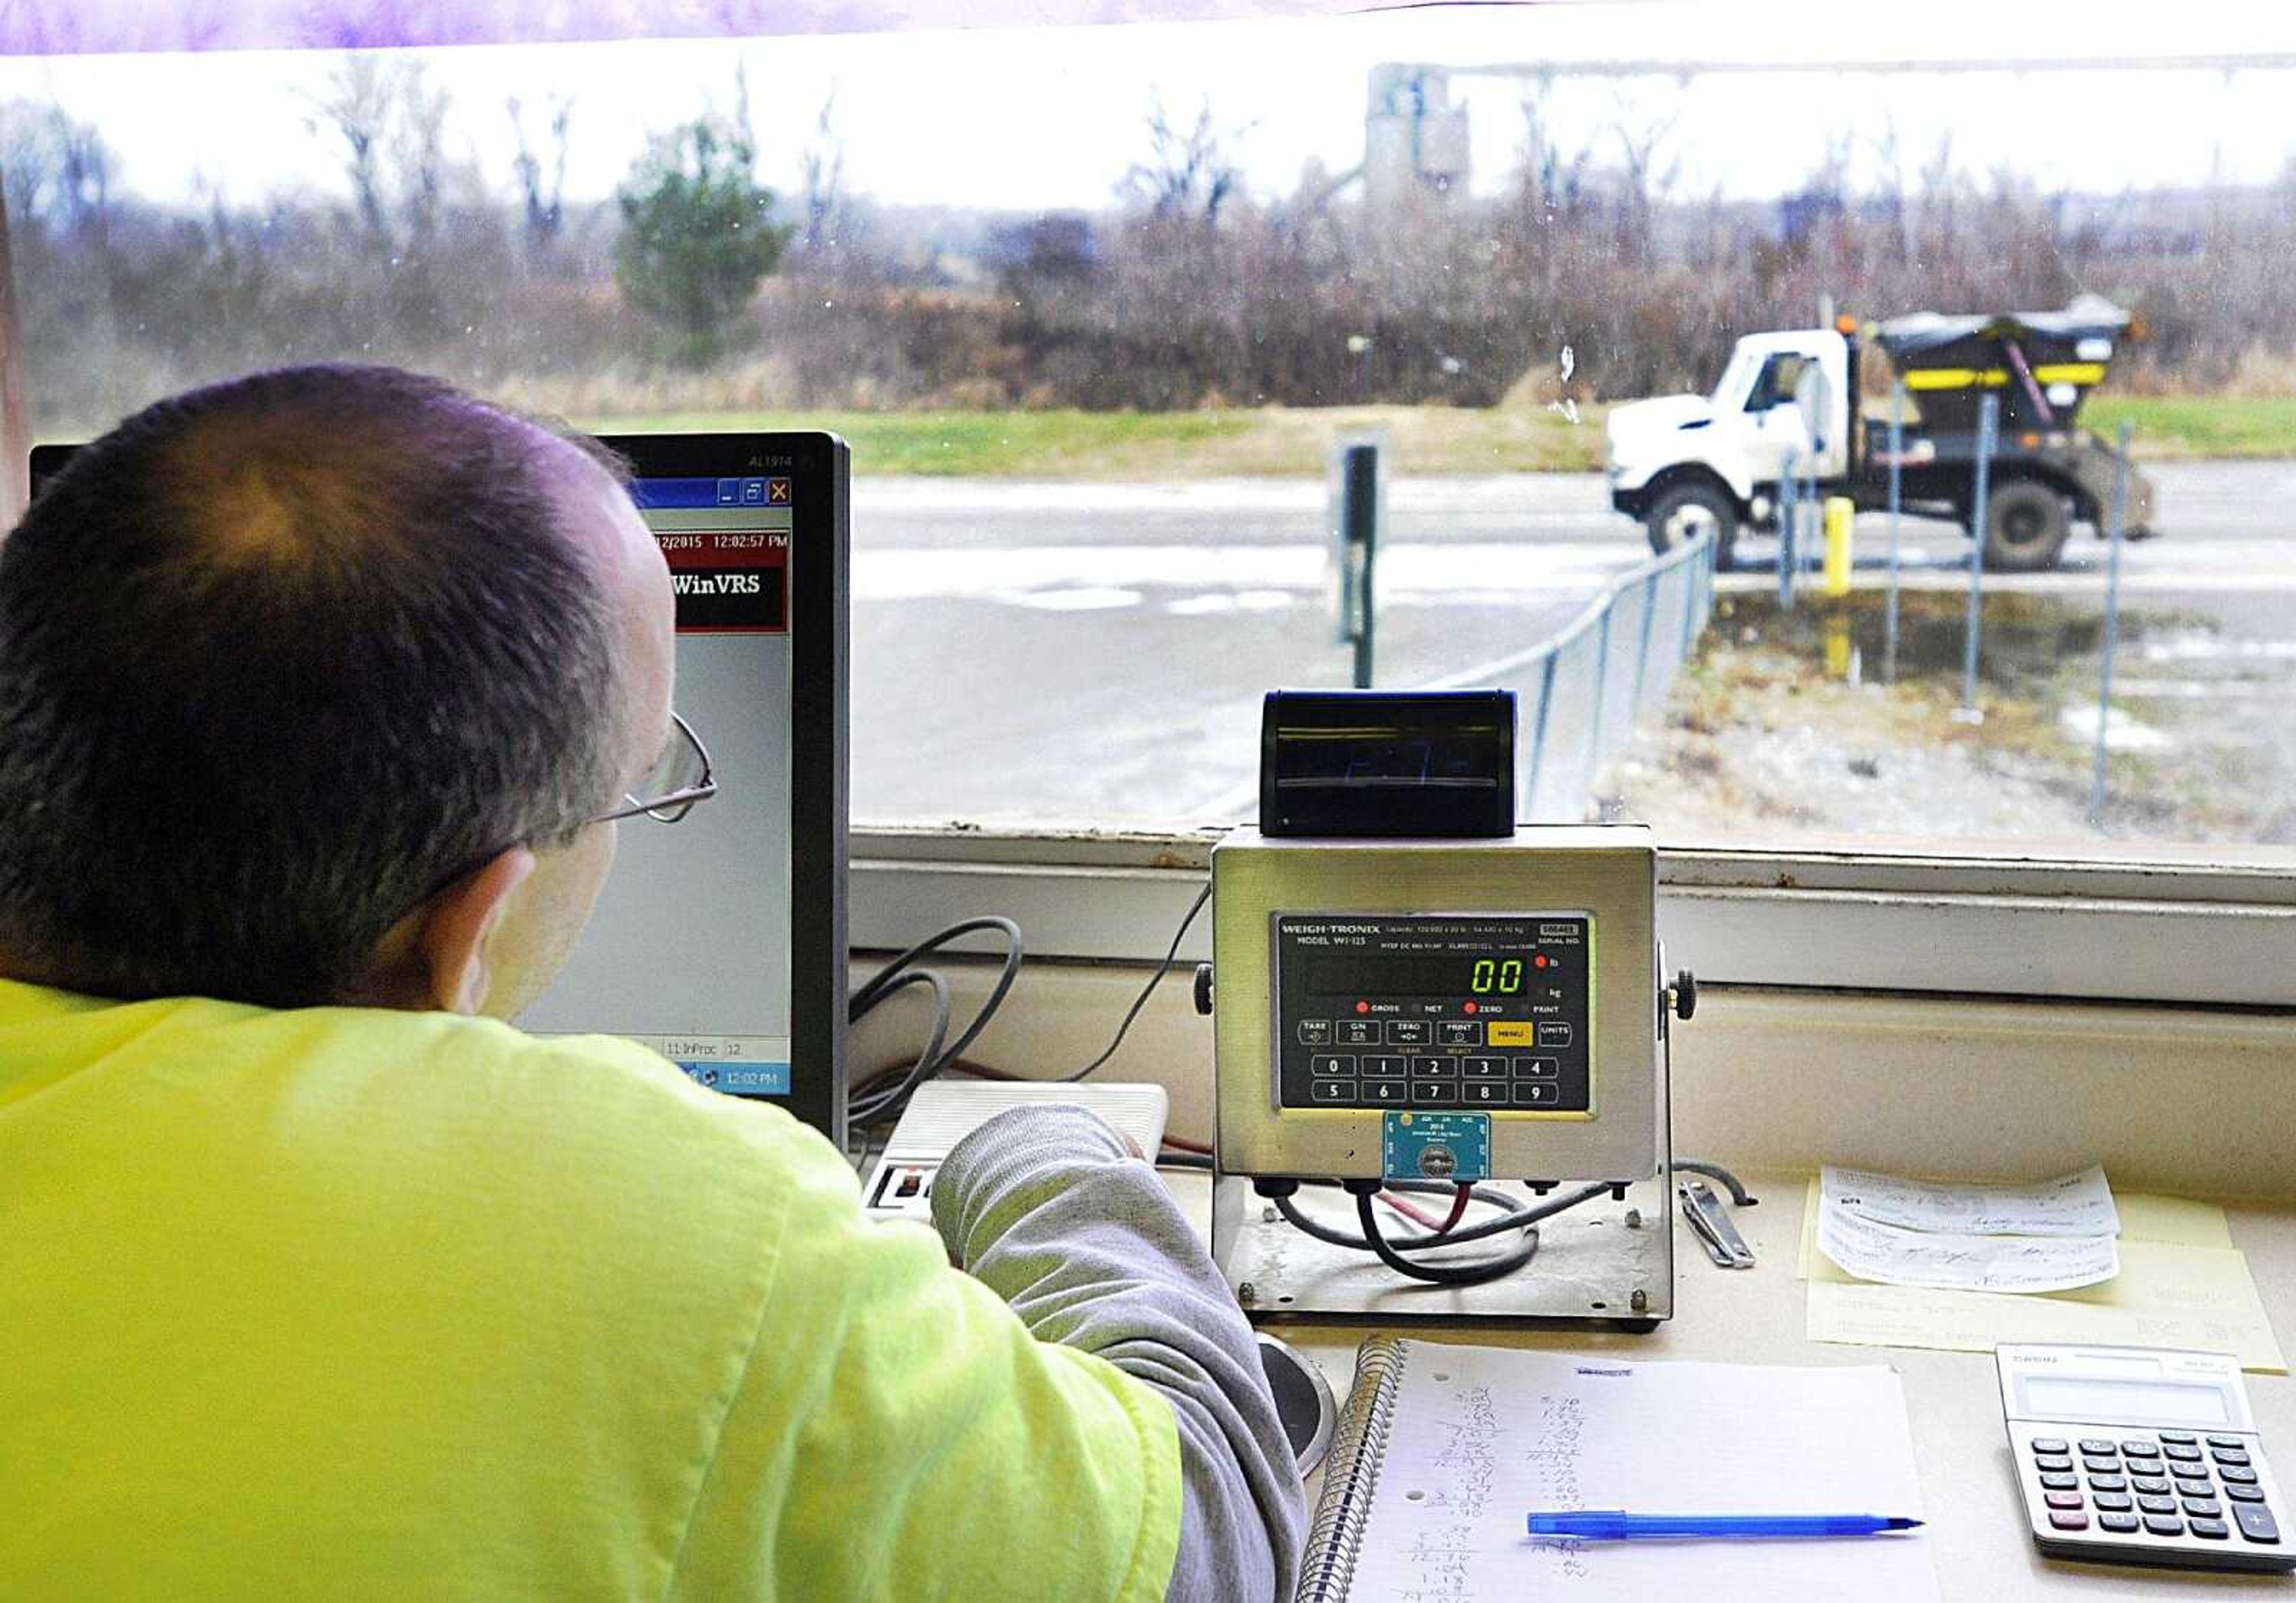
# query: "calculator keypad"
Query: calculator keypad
{"points": [[2202, 1494]]}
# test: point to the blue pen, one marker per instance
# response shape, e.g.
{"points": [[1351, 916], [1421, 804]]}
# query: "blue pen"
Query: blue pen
{"points": [[1616, 1524]]}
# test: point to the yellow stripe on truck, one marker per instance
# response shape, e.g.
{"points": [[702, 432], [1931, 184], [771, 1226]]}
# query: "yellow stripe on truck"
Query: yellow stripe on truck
{"points": [[1957, 377], [1995, 378]]}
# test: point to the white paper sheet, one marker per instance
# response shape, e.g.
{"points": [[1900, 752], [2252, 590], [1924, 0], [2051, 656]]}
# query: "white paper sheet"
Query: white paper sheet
{"points": [[1955, 1263], [2071, 1205], [1483, 1436]]}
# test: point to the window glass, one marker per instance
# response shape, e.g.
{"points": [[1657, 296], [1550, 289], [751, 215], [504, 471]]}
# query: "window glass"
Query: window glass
{"points": [[1098, 306]]}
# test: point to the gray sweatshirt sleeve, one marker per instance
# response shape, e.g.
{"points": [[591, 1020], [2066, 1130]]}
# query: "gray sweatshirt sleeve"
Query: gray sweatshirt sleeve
{"points": [[1044, 1205]]}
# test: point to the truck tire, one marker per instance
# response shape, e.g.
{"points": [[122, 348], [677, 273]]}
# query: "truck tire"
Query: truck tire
{"points": [[2026, 524], [1682, 509]]}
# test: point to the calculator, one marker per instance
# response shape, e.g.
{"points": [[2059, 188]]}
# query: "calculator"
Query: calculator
{"points": [[2141, 1455]]}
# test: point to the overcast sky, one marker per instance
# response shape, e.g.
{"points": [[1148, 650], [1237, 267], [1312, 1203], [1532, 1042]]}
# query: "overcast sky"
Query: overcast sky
{"points": [[1050, 117]]}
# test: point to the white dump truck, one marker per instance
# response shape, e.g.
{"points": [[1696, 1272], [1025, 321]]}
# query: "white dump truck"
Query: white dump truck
{"points": [[1788, 404]]}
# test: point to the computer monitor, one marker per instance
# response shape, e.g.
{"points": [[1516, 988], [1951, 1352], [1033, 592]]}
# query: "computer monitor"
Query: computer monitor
{"points": [[720, 941]]}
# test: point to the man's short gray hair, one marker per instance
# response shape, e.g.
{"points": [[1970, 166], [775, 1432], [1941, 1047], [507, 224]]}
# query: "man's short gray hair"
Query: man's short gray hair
{"points": [[279, 660]]}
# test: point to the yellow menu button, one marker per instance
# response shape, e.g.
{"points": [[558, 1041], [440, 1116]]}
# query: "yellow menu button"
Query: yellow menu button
{"points": [[1511, 1033]]}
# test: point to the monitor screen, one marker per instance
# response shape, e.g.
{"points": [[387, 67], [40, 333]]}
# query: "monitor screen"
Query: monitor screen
{"points": [[718, 940]]}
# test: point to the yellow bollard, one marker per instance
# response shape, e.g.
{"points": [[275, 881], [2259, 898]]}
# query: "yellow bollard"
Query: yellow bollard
{"points": [[1840, 511]]}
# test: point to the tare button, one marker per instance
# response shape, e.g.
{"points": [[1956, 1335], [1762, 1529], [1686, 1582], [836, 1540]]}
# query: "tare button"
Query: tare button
{"points": [[1314, 1032]]}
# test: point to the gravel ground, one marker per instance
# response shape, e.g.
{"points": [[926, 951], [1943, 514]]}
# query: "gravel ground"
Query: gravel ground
{"points": [[1784, 728]]}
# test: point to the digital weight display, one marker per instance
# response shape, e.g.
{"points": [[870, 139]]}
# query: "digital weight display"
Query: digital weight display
{"points": [[1470, 1010], [1494, 975]]}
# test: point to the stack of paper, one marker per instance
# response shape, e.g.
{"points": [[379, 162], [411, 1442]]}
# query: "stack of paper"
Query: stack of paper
{"points": [[2182, 1284], [2050, 1237]]}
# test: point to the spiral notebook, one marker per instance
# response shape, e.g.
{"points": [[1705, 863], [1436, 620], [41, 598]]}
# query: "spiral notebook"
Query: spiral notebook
{"points": [[1441, 1451]]}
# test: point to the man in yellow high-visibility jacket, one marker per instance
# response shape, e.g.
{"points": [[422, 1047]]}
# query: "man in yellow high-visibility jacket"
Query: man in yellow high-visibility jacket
{"points": [[317, 689]]}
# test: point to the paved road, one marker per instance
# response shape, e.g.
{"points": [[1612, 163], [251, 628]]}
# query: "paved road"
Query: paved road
{"points": [[1099, 650]]}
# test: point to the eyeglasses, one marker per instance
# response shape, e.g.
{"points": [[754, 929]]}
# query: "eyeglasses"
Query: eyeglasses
{"points": [[681, 781]]}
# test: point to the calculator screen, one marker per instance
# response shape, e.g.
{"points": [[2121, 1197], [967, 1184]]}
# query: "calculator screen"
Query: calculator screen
{"points": [[2076, 1399]]}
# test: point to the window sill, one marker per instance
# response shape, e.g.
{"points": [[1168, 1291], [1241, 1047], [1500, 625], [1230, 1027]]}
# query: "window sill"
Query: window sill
{"points": [[2204, 932]]}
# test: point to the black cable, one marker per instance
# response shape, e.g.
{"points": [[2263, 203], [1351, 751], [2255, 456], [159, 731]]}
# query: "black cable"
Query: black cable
{"points": [[1141, 1001], [1739, 1196], [864, 1110], [1520, 1219], [892, 978], [1440, 1275]]}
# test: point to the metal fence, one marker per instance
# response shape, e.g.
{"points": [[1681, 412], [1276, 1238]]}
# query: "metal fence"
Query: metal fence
{"points": [[1579, 692]]}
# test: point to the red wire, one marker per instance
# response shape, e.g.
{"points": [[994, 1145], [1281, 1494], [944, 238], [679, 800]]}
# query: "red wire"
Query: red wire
{"points": [[1410, 1210], [1458, 1210]]}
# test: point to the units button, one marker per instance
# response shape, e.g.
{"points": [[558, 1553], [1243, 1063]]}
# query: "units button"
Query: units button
{"points": [[1407, 1032], [1321, 1066], [1537, 1069], [1358, 1032], [1459, 1032], [1332, 1090], [1314, 1032], [1553, 1034], [1508, 1032]]}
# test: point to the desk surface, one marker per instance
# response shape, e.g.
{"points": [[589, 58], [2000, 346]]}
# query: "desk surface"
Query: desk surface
{"points": [[1976, 1525]]}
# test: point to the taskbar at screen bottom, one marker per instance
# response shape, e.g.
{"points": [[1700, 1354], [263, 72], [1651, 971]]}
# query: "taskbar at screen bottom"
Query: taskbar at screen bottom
{"points": [[741, 1066]]}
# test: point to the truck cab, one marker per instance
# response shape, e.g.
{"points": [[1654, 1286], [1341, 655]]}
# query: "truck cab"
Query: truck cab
{"points": [[1685, 464]]}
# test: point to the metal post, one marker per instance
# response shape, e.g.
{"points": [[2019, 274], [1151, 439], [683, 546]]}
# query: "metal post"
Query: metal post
{"points": [[2112, 623], [1896, 488], [1786, 537], [1538, 734], [1642, 653], [1988, 414], [1602, 683], [1689, 587], [1359, 531]]}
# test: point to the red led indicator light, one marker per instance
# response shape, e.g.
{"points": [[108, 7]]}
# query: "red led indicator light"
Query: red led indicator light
{"points": [[1539, 961], [1470, 1007], [1363, 1007]]}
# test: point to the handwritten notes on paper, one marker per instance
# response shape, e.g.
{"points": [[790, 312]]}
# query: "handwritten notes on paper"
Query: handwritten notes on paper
{"points": [[2182, 1284], [1483, 1436], [2050, 1237], [1911, 1257], [2071, 1205]]}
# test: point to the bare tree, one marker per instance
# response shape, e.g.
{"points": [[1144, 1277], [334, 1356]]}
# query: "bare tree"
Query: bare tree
{"points": [[1189, 173], [544, 199], [358, 104], [823, 197]]}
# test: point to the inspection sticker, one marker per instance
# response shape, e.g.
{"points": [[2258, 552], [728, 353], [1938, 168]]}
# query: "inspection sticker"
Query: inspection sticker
{"points": [[1418, 1145]]}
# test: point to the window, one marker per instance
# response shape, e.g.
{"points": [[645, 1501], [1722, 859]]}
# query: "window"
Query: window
{"points": [[1095, 306]]}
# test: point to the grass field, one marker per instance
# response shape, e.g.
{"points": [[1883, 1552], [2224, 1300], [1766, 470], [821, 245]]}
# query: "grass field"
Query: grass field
{"points": [[2180, 427], [1422, 441], [1266, 442]]}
